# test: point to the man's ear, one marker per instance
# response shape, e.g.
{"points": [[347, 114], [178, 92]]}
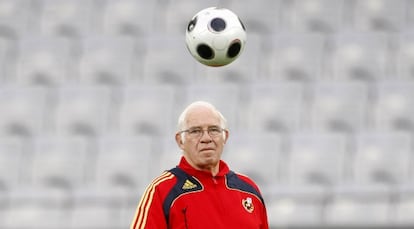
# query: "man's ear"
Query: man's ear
{"points": [[179, 139], [226, 135]]}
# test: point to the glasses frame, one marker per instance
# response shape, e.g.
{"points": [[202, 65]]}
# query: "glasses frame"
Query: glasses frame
{"points": [[209, 129]]}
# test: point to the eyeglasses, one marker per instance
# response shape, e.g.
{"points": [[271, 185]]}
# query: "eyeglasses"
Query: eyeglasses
{"points": [[197, 132]]}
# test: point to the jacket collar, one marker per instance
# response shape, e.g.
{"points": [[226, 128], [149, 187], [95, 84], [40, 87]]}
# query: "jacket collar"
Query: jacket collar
{"points": [[184, 165]]}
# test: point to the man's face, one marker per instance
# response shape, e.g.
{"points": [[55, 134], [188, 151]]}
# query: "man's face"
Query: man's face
{"points": [[201, 149]]}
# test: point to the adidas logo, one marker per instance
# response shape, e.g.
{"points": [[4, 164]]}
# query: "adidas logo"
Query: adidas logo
{"points": [[189, 185]]}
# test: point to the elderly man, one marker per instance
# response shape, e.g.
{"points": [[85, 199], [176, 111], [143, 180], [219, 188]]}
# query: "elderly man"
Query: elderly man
{"points": [[201, 192]]}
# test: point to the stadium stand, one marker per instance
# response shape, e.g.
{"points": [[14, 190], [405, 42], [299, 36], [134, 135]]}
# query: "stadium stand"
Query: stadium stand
{"points": [[81, 110], [405, 55], [12, 158], [117, 156], [146, 109], [127, 17], [404, 207], [107, 60], [322, 16], [69, 19], [265, 151], [44, 60], [296, 56], [393, 109], [16, 19], [381, 158], [160, 64], [269, 20], [358, 207], [280, 107], [23, 111], [339, 106], [296, 207], [317, 159], [319, 104], [382, 15], [360, 56], [58, 163]]}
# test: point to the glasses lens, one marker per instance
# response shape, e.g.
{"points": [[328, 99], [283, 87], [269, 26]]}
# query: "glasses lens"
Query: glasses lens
{"points": [[214, 131], [195, 132]]}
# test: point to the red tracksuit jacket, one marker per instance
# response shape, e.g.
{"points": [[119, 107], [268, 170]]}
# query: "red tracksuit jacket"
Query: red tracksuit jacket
{"points": [[186, 198]]}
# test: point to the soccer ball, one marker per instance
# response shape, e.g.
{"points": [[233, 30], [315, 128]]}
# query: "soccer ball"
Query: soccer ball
{"points": [[215, 36]]}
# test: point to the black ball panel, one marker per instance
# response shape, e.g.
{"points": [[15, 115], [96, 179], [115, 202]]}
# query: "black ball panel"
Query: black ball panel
{"points": [[205, 51], [218, 24], [234, 49], [192, 24]]}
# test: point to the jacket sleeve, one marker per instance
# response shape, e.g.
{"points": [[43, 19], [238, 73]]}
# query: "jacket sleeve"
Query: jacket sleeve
{"points": [[150, 213]]}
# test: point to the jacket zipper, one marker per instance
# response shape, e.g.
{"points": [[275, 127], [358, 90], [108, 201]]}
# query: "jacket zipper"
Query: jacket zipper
{"points": [[184, 211]]}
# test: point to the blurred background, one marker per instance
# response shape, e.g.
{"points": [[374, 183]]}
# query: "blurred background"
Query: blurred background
{"points": [[320, 107]]}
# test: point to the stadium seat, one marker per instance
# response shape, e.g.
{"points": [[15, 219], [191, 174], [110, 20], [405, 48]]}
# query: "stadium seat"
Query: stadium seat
{"points": [[258, 156], [15, 19], [107, 60], [67, 18], [393, 107], [379, 15], [94, 215], [296, 56], [146, 109], [322, 16], [12, 161], [257, 19], [119, 158], [405, 55], [59, 163], [129, 17], [316, 159], [404, 207], [295, 207], [404, 213], [359, 56], [23, 111], [358, 207], [167, 61], [44, 61], [339, 106], [82, 110], [168, 155], [382, 158], [33, 215], [281, 107], [7, 60]]}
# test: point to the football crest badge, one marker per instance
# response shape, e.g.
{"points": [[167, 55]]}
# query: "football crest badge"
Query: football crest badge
{"points": [[248, 204]]}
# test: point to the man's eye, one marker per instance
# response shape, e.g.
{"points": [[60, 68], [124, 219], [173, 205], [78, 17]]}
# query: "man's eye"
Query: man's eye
{"points": [[196, 131], [214, 130]]}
